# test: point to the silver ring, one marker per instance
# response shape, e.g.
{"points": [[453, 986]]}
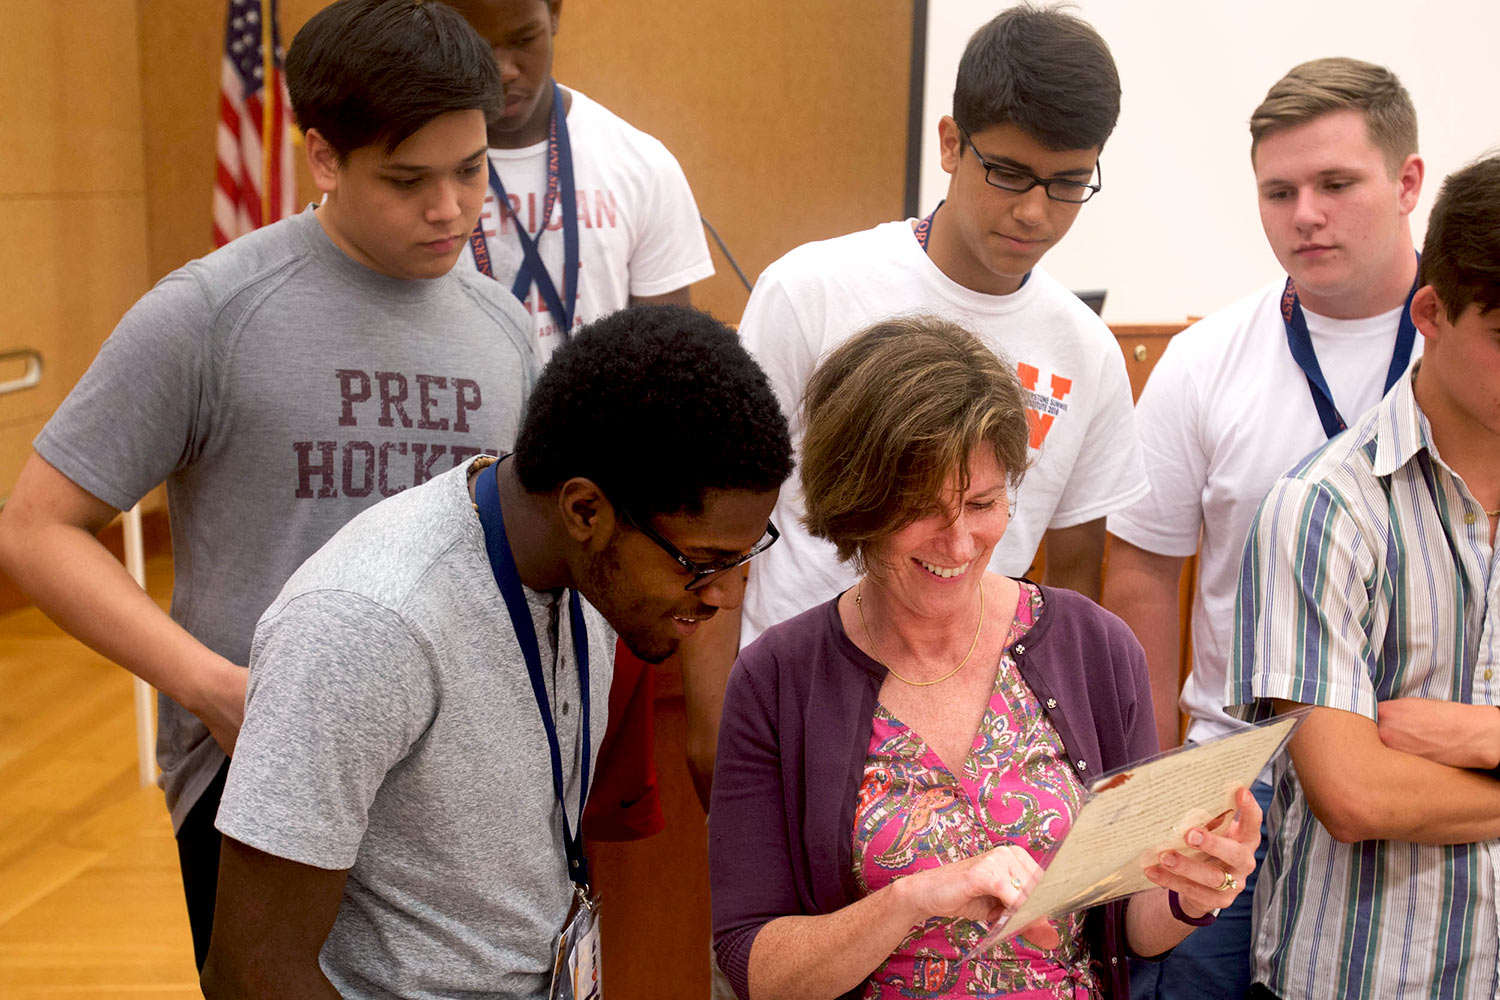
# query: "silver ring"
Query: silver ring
{"points": [[1228, 885]]}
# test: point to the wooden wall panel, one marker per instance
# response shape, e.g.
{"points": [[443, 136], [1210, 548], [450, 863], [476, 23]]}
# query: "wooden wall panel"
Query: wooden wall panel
{"points": [[180, 51], [73, 265], [71, 111], [788, 117], [72, 197], [1142, 345]]}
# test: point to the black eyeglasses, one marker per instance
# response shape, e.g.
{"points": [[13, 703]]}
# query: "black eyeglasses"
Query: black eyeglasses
{"points": [[1009, 178], [702, 573]]}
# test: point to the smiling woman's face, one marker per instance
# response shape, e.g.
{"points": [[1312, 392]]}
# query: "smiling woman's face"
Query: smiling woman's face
{"points": [[933, 566]]}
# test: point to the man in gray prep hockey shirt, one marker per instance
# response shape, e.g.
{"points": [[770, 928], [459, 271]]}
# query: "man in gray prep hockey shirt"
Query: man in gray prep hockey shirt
{"points": [[282, 385]]}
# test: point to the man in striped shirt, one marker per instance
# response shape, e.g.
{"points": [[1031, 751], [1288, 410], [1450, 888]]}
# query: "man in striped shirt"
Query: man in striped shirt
{"points": [[1369, 591]]}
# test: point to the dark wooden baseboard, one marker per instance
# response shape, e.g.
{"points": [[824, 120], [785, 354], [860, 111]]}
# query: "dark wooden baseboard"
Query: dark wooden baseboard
{"points": [[155, 532]]}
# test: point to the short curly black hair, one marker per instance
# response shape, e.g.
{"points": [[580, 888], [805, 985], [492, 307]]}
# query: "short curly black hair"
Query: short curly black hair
{"points": [[657, 405]]}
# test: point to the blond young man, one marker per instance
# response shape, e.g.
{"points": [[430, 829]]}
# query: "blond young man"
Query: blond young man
{"points": [[1240, 397]]}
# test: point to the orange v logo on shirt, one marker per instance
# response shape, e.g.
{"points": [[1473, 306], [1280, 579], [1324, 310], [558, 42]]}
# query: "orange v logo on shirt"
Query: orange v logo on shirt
{"points": [[1043, 409]]}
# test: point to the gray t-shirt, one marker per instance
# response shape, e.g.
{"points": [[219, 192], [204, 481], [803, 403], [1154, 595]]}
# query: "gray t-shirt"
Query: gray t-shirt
{"points": [[279, 388], [392, 730]]}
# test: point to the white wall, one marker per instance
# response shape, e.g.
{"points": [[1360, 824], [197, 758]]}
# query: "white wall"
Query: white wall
{"points": [[1175, 230]]}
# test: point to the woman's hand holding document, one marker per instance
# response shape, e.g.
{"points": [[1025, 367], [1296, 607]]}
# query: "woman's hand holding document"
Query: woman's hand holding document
{"points": [[1137, 815]]}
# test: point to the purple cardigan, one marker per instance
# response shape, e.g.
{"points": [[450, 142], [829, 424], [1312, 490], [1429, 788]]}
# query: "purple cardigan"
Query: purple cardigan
{"points": [[798, 714]]}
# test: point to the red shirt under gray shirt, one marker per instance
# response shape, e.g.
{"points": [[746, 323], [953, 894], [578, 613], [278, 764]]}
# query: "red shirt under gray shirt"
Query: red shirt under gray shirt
{"points": [[798, 714]]}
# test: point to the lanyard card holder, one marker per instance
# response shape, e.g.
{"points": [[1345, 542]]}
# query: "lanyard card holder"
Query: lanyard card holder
{"points": [[576, 971]]}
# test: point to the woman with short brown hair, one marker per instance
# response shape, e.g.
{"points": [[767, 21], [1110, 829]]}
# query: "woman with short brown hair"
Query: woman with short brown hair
{"points": [[893, 764]]}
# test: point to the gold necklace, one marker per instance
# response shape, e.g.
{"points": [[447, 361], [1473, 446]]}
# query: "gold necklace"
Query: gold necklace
{"points": [[1488, 513], [859, 605]]}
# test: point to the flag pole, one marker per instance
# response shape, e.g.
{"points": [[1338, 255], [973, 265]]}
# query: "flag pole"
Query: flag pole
{"points": [[267, 107]]}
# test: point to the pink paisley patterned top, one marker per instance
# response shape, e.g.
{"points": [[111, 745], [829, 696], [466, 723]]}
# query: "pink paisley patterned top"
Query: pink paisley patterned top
{"points": [[914, 814]]}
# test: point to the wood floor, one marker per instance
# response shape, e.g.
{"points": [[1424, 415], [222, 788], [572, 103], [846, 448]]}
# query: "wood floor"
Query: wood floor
{"points": [[90, 903]]}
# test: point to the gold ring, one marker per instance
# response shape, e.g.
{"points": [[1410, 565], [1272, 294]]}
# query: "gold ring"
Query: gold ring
{"points": [[1015, 880], [1228, 885]]}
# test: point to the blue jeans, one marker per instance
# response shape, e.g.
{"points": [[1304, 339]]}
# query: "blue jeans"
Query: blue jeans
{"points": [[1213, 963]]}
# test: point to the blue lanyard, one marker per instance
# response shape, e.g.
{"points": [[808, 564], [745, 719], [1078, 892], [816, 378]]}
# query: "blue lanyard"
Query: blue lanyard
{"points": [[533, 271], [508, 578], [1301, 345]]}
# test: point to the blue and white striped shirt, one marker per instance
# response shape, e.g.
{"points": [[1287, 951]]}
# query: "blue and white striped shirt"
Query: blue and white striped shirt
{"points": [[1369, 575]]}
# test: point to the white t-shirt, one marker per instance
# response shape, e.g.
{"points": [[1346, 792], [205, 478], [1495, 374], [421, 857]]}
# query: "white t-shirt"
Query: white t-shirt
{"points": [[639, 232], [1086, 458], [1225, 412]]}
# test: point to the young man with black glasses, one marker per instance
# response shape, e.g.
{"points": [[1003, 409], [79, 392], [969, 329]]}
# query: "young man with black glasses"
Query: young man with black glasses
{"points": [[427, 693], [1037, 95]]}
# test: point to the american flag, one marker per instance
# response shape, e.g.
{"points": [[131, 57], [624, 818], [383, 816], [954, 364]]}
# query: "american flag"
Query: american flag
{"points": [[255, 185]]}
